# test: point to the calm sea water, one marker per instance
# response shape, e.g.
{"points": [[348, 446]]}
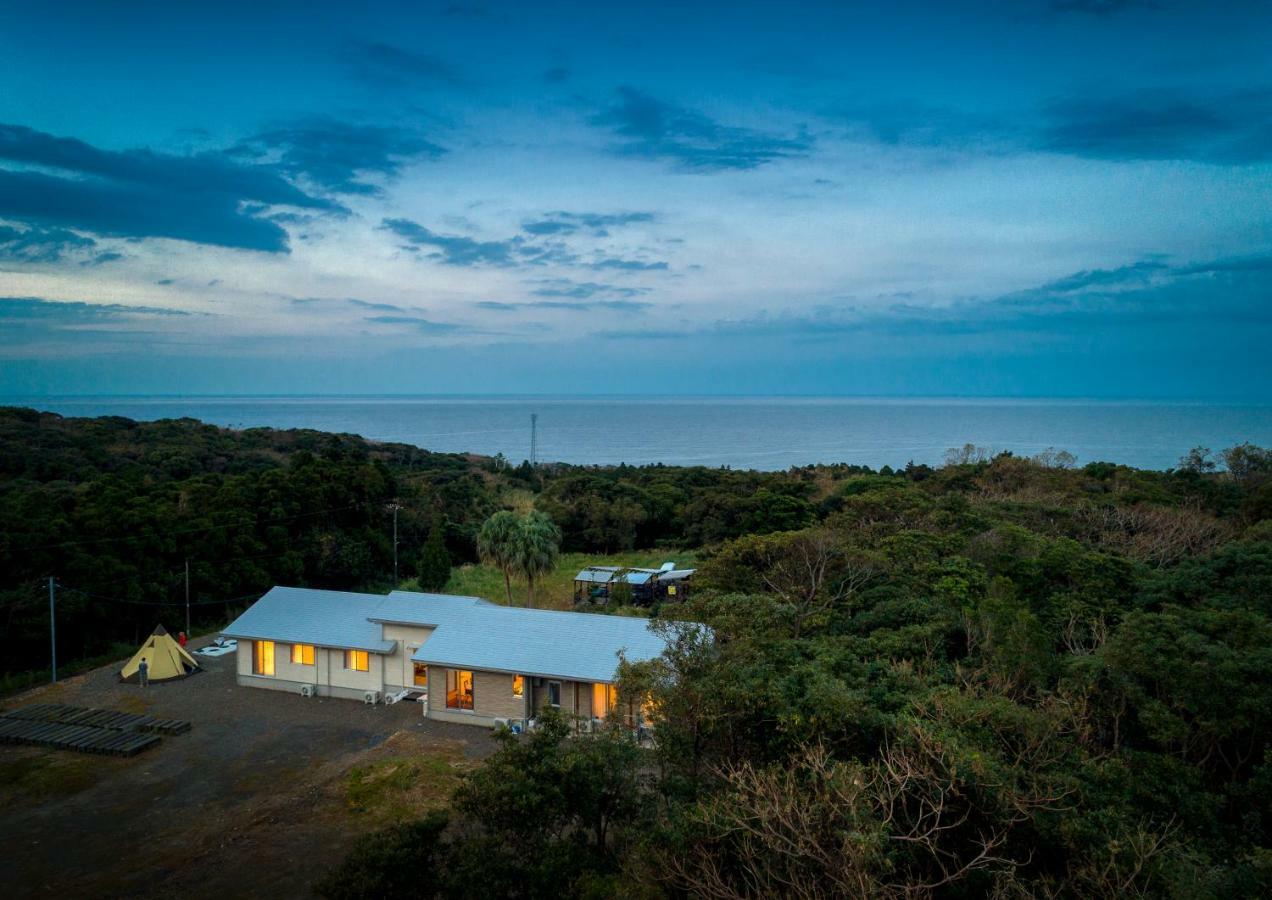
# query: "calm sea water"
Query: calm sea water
{"points": [[760, 433]]}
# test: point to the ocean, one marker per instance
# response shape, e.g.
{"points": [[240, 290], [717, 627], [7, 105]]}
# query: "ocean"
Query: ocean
{"points": [[741, 432]]}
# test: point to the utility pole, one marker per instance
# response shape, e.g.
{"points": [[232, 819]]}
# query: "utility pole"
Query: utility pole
{"points": [[53, 627], [534, 439], [394, 507], [187, 562]]}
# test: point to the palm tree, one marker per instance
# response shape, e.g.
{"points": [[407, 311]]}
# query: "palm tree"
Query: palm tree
{"points": [[499, 544], [538, 549]]}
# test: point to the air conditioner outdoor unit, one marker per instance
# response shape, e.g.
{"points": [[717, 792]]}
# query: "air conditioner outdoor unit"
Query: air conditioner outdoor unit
{"points": [[500, 721], [371, 698], [585, 726], [308, 690]]}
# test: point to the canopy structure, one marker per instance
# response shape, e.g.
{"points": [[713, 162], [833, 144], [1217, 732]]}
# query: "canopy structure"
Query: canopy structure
{"points": [[165, 658]]}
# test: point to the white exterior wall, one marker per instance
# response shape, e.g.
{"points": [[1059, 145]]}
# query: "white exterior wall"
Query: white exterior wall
{"points": [[399, 670], [328, 672]]}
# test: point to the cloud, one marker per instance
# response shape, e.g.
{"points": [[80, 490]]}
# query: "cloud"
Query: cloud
{"points": [[1229, 291], [385, 65], [383, 307], [910, 123], [1220, 128], [628, 265], [624, 306], [596, 224], [459, 250], [585, 290], [336, 155], [1134, 273], [12, 308], [206, 198], [1226, 128], [418, 323], [653, 129], [34, 324], [454, 250], [41, 245]]}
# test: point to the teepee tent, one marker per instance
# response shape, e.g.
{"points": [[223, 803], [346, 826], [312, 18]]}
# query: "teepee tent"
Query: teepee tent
{"points": [[165, 657]]}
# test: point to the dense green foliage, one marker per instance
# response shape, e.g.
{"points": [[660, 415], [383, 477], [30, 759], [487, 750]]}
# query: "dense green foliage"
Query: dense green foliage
{"points": [[538, 818], [435, 563], [113, 509], [1003, 677]]}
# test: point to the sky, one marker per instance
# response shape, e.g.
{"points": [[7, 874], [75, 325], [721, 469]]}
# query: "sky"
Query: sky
{"points": [[1020, 198]]}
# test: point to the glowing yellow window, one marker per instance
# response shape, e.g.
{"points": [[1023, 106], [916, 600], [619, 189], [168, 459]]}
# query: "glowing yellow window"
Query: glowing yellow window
{"points": [[263, 657], [604, 699], [303, 654], [518, 686], [358, 660], [459, 689], [420, 675]]}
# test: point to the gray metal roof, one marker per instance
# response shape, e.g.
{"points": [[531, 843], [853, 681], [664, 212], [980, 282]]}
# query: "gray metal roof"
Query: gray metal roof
{"points": [[469, 632], [306, 616], [413, 608], [578, 646], [676, 574], [605, 574]]}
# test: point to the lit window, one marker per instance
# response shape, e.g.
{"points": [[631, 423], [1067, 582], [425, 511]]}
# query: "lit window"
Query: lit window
{"points": [[459, 689], [554, 693], [421, 675], [358, 660], [263, 658], [604, 699], [303, 654], [518, 686]]}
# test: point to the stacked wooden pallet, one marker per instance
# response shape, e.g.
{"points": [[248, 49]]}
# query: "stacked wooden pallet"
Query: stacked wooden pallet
{"points": [[79, 738], [85, 730]]}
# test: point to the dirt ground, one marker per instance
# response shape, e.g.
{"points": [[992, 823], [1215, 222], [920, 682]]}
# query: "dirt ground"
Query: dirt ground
{"points": [[259, 798]]}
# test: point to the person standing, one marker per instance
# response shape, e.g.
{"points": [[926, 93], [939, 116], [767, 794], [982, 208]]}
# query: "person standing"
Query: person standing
{"points": [[143, 672], [181, 638]]}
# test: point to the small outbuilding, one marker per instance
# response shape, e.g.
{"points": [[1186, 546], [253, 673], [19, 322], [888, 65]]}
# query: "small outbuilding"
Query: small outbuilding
{"points": [[165, 658], [595, 584]]}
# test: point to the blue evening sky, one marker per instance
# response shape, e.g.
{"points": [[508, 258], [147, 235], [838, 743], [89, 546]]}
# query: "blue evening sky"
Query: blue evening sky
{"points": [[1009, 198]]}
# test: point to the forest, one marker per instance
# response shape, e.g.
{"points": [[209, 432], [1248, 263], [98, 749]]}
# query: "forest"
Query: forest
{"points": [[1001, 677]]}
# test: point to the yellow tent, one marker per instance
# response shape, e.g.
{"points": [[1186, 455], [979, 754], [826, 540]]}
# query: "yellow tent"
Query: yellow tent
{"points": [[166, 659]]}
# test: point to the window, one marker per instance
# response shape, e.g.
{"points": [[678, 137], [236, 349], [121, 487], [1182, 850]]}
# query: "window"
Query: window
{"points": [[421, 675], [554, 693], [518, 686], [604, 699], [263, 657], [459, 689], [303, 654], [358, 660]]}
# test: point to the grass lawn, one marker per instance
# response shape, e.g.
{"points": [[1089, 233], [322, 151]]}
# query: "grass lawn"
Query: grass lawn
{"points": [[403, 788], [556, 590]]}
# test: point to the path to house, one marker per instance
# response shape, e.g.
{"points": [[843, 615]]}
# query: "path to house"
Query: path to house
{"points": [[264, 793]]}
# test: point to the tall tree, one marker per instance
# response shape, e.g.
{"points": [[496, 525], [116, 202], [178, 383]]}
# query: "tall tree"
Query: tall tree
{"points": [[435, 561], [499, 545], [538, 549]]}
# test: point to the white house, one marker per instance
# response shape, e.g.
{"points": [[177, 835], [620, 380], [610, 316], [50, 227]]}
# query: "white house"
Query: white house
{"points": [[476, 661]]}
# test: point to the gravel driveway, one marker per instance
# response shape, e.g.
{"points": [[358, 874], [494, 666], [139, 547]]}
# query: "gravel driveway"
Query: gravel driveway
{"points": [[249, 802]]}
